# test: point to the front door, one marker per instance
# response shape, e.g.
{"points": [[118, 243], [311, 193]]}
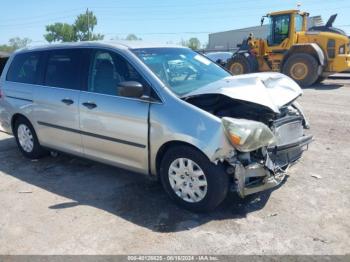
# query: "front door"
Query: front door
{"points": [[279, 30], [114, 128]]}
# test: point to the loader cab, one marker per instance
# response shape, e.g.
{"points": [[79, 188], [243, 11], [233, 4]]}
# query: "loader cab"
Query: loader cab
{"points": [[279, 29], [283, 26]]}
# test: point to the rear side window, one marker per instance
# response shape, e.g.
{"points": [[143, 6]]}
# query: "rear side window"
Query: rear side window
{"points": [[62, 69], [24, 68]]}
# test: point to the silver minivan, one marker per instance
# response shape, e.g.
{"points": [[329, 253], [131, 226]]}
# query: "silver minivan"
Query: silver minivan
{"points": [[164, 111]]}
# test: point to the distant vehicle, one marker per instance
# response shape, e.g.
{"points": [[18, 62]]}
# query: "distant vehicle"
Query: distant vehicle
{"points": [[164, 111], [4, 56], [306, 55], [220, 58]]}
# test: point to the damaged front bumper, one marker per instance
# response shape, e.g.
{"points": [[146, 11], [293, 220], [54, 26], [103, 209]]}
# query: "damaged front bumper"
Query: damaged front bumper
{"points": [[257, 176]]}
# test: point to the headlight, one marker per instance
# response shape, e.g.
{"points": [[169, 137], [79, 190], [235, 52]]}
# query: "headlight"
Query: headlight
{"points": [[247, 135], [342, 49]]}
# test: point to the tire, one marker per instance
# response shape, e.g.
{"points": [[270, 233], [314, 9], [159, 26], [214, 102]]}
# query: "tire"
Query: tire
{"points": [[302, 68], [24, 132], [320, 79], [204, 198], [239, 65]]}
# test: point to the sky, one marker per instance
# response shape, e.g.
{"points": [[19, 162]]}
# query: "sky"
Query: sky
{"points": [[155, 20]]}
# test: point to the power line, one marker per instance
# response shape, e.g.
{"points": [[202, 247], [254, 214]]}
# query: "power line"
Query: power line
{"points": [[49, 14], [204, 16], [150, 11]]}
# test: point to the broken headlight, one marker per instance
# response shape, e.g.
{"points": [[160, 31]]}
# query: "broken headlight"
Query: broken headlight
{"points": [[247, 135]]}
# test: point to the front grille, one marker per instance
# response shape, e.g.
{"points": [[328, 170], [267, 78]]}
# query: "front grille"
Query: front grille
{"points": [[288, 129]]}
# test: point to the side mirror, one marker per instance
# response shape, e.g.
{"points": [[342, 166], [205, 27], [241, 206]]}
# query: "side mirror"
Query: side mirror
{"points": [[130, 89]]}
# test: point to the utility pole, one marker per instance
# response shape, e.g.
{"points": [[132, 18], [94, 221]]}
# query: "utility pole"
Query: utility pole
{"points": [[88, 24]]}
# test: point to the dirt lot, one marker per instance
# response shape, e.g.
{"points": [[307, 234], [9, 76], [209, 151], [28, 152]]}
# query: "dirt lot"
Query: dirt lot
{"points": [[65, 205]]}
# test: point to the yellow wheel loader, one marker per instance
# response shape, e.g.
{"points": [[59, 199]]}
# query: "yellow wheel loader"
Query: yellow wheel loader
{"points": [[307, 56]]}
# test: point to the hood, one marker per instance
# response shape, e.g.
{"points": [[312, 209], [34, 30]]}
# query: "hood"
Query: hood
{"points": [[272, 90]]}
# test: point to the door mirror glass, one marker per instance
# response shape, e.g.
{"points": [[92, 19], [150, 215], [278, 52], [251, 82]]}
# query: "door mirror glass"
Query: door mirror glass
{"points": [[130, 89]]}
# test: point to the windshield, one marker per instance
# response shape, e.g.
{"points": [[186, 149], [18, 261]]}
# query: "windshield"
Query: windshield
{"points": [[181, 69]]}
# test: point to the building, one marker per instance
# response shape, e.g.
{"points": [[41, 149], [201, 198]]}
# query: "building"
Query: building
{"points": [[228, 40]]}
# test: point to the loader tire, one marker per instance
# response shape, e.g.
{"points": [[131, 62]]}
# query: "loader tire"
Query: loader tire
{"points": [[302, 68], [320, 79], [239, 65]]}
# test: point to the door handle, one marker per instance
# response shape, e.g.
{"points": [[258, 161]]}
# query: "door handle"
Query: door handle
{"points": [[89, 105], [67, 101]]}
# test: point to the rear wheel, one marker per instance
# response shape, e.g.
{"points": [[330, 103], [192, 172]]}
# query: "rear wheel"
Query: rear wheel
{"points": [[191, 180], [303, 68], [239, 65], [26, 139]]}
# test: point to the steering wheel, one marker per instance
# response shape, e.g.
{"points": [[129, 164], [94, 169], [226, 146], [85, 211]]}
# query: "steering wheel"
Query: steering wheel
{"points": [[189, 73]]}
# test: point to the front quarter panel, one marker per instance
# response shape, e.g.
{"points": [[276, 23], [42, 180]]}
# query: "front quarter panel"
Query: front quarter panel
{"points": [[177, 120]]}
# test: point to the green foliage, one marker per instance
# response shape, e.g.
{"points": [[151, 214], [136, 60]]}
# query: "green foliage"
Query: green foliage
{"points": [[84, 26], [6, 48], [60, 32], [15, 43], [81, 30], [132, 37], [194, 43]]}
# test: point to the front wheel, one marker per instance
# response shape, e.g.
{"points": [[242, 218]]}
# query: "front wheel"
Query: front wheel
{"points": [[239, 65], [191, 180], [303, 68]]}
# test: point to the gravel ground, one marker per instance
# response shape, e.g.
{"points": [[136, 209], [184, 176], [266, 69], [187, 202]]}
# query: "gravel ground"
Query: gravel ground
{"points": [[65, 205]]}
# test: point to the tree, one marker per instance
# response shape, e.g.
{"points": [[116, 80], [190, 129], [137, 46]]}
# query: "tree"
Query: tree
{"points": [[60, 32], [15, 43], [81, 30], [132, 37], [194, 43], [84, 26], [183, 42]]}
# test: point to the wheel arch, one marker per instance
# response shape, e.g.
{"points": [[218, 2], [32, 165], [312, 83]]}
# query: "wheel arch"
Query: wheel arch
{"points": [[167, 146], [311, 49], [15, 117]]}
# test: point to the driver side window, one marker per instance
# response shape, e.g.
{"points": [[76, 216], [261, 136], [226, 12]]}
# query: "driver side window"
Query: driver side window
{"points": [[107, 70]]}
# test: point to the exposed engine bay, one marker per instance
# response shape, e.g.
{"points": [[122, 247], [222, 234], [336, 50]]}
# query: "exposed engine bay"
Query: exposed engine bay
{"points": [[265, 167], [221, 106]]}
